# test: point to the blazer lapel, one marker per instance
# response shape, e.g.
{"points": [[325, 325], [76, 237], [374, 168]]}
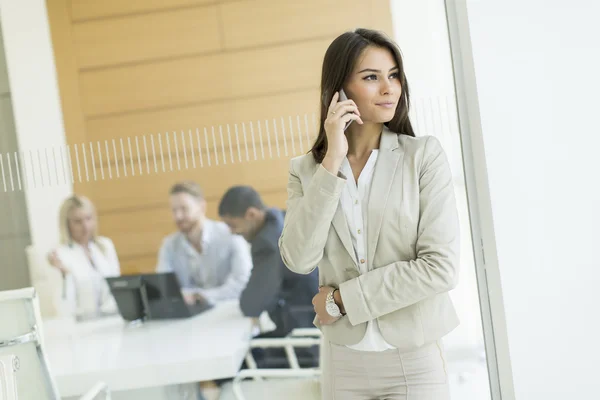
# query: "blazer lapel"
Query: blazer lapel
{"points": [[340, 224], [383, 178]]}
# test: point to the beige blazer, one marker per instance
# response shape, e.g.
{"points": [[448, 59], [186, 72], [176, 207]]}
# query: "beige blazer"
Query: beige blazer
{"points": [[412, 242]]}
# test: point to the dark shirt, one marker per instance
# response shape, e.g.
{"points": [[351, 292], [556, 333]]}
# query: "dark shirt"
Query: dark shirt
{"points": [[285, 295]]}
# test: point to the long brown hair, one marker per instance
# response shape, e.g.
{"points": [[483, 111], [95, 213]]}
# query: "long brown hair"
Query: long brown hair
{"points": [[339, 62]]}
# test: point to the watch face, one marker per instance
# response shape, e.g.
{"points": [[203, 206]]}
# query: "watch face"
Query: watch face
{"points": [[333, 309]]}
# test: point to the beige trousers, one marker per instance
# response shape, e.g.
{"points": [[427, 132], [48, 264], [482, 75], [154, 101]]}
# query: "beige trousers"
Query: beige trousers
{"points": [[419, 374]]}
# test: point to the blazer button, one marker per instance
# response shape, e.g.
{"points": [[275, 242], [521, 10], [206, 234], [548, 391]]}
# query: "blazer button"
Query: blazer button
{"points": [[362, 260]]}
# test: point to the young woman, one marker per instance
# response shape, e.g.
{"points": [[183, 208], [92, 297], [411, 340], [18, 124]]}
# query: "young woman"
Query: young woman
{"points": [[85, 259], [373, 206]]}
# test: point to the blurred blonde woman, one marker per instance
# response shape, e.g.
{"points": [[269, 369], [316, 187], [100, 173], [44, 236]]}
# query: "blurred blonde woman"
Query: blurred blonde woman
{"points": [[84, 259]]}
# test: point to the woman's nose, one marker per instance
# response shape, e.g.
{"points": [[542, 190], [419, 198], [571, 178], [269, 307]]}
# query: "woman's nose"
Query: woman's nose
{"points": [[386, 87]]}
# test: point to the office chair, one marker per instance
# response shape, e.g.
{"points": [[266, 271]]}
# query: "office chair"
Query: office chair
{"points": [[24, 371]]}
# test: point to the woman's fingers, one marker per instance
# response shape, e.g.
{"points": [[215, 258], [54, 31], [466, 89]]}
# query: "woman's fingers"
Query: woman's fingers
{"points": [[351, 117], [344, 107], [333, 102], [52, 257]]}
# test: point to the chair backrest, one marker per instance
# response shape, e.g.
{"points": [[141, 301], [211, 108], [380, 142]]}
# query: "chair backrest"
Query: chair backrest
{"points": [[21, 345], [47, 282]]}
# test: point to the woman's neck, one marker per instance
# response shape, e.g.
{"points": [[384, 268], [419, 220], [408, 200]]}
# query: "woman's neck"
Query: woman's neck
{"points": [[82, 242], [362, 139]]}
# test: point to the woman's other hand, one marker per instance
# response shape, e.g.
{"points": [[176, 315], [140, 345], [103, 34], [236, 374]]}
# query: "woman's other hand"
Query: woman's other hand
{"points": [[55, 261], [319, 303]]}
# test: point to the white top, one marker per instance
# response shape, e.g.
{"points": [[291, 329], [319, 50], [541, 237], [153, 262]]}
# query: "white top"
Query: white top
{"points": [[209, 346], [85, 290], [355, 204]]}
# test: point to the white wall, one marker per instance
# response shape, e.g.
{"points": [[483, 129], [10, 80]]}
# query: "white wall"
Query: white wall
{"points": [[536, 65], [37, 112]]}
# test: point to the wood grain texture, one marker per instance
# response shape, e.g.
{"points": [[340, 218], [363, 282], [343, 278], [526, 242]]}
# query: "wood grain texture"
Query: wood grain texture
{"points": [[139, 38], [235, 111], [67, 70], [285, 21], [128, 193], [91, 9], [215, 77]]}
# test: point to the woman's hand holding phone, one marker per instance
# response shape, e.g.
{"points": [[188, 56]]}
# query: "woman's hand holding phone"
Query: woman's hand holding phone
{"points": [[338, 115]]}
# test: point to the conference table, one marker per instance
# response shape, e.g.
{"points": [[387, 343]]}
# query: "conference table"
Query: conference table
{"points": [[155, 360]]}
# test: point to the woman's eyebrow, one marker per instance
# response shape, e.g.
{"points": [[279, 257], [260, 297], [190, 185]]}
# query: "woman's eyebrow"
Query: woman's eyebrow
{"points": [[375, 70]]}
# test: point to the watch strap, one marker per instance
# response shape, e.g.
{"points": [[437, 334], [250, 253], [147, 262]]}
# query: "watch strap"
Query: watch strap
{"points": [[333, 297]]}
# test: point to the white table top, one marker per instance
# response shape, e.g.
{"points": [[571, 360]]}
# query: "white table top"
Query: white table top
{"points": [[208, 346]]}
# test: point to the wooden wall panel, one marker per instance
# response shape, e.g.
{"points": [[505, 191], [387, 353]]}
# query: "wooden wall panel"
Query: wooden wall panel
{"points": [[67, 70], [203, 79], [239, 110], [128, 193], [138, 231], [143, 37], [138, 264], [283, 21], [90, 9]]}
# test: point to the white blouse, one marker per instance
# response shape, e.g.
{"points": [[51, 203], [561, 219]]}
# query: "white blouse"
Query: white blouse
{"points": [[85, 290], [355, 204]]}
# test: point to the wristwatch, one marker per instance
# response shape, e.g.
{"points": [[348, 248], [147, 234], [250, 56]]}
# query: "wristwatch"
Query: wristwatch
{"points": [[332, 308]]}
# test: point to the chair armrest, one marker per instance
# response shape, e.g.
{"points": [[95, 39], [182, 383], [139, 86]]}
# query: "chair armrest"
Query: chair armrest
{"points": [[277, 373], [306, 332], [99, 389], [284, 342]]}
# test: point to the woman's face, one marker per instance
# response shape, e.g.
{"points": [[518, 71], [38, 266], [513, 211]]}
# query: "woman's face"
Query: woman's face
{"points": [[82, 224], [374, 85]]}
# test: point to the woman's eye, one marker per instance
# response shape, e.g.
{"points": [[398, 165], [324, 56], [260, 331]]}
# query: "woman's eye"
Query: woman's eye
{"points": [[370, 78], [395, 75]]}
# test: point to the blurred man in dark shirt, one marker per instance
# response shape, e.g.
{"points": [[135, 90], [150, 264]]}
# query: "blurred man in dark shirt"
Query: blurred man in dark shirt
{"points": [[272, 287]]}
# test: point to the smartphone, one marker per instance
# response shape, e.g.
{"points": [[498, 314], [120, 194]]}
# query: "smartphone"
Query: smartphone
{"points": [[343, 97]]}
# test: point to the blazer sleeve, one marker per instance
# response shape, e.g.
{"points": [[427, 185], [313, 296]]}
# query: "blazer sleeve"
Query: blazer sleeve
{"points": [[435, 269], [308, 218]]}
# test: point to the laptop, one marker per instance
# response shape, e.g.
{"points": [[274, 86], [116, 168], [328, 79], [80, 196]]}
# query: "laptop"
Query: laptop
{"points": [[152, 297]]}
